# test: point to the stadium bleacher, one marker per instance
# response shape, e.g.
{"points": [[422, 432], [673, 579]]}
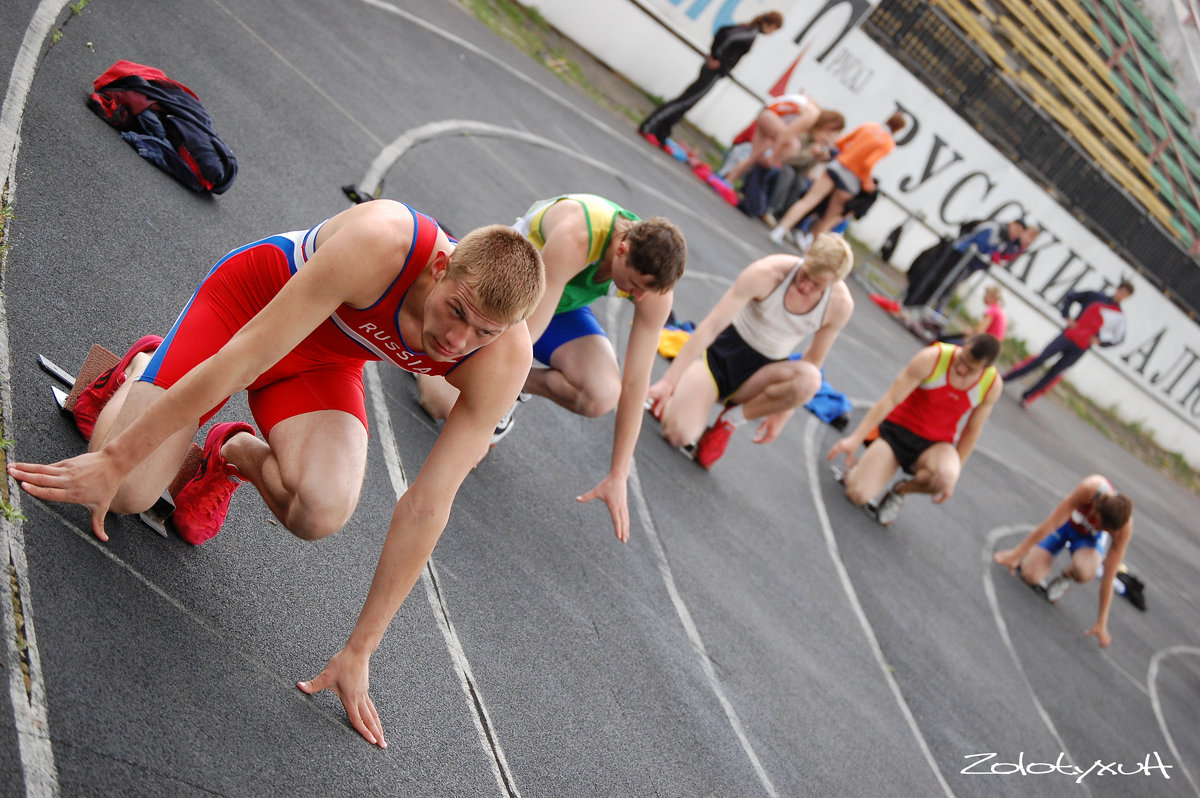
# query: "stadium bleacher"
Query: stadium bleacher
{"points": [[1096, 72]]}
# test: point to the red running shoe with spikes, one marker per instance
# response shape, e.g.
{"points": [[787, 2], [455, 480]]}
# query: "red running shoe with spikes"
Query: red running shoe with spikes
{"points": [[713, 442], [203, 502], [92, 399]]}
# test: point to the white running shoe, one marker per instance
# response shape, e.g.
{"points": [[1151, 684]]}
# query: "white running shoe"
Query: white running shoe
{"points": [[1057, 588], [506, 424], [776, 236], [889, 508]]}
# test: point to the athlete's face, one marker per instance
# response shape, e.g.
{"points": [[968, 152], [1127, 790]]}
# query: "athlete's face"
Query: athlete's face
{"points": [[631, 281], [454, 325], [966, 368], [808, 286]]}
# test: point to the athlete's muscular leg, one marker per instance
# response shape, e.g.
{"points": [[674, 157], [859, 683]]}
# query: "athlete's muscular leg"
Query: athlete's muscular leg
{"points": [[1084, 564], [936, 472], [821, 188], [309, 472], [776, 387], [150, 478], [435, 395], [767, 128], [1036, 565], [870, 475], [833, 212], [686, 413], [583, 376]]}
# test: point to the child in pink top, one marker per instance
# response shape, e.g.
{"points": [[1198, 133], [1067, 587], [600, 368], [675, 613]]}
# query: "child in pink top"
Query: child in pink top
{"points": [[994, 322]]}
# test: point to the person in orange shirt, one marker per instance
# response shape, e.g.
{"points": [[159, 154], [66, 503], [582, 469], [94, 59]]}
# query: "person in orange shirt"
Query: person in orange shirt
{"points": [[847, 175]]}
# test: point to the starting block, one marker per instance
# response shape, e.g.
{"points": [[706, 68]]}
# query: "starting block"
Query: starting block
{"points": [[99, 360]]}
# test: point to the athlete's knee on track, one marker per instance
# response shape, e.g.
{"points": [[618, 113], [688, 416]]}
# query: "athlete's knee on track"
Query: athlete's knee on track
{"points": [[804, 385], [857, 493], [598, 398], [131, 498], [1031, 574], [675, 433], [314, 517]]}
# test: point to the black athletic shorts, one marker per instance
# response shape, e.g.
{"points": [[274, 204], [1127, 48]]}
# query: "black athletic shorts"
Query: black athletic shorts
{"points": [[843, 178], [732, 361], [906, 444]]}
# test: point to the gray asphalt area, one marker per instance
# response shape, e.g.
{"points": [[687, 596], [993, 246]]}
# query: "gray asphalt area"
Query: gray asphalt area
{"points": [[758, 635]]}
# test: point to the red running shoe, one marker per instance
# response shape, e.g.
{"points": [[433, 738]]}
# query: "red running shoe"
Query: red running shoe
{"points": [[92, 399], [650, 137], [203, 502], [713, 442]]}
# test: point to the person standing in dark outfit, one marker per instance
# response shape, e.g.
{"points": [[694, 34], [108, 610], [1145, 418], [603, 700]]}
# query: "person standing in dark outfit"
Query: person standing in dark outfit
{"points": [[729, 44], [1101, 321]]}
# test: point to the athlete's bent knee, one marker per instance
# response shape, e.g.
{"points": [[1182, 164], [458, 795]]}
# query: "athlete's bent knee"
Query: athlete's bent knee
{"points": [[314, 526], [674, 435], [805, 384], [130, 500], [314, 518], [856, 495], [598, 399]]}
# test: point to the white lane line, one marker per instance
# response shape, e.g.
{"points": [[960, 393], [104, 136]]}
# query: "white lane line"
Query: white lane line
{"points": [[372, 181], [85, 534], [433, 594], [393, 152], [312, 84], [989, 590], [812, 457], [30, 715], [689, 626], [681, 610], [1152, 681]]}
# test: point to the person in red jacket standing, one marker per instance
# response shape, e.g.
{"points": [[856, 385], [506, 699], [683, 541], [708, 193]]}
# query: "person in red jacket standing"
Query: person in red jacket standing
{"points": [[1100, 322]]}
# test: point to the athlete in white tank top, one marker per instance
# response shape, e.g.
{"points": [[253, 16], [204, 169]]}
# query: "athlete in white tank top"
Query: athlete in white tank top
{"points": [[771, 328]]}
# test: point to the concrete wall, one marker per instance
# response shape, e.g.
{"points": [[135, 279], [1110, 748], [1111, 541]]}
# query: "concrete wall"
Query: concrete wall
{"points": [[942, 173]]}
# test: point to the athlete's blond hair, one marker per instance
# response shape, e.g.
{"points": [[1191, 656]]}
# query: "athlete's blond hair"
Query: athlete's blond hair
{"points": [[829, 253], [504, 269]]}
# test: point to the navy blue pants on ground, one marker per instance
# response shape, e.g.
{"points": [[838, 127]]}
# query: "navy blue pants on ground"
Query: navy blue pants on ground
{"points": [[1068, 354]]}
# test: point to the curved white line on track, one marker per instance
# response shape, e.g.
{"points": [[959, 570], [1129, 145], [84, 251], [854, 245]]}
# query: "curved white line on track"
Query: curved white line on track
{"points": [[370, 185], [1152, 683], [989, 590], [429, 580], [1150, 688], [372, 180], [30, 715], [811, 458]]}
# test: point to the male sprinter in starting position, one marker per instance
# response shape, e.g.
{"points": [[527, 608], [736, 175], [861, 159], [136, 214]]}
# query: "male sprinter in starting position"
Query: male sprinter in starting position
{"points": [[1079, 522], [589, 245], [746, 339], [292, 319], [918, 420]]}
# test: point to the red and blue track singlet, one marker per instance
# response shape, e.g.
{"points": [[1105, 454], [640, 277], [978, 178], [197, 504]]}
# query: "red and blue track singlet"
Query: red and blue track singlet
{"points": [[325, 371], [935, 407]]}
